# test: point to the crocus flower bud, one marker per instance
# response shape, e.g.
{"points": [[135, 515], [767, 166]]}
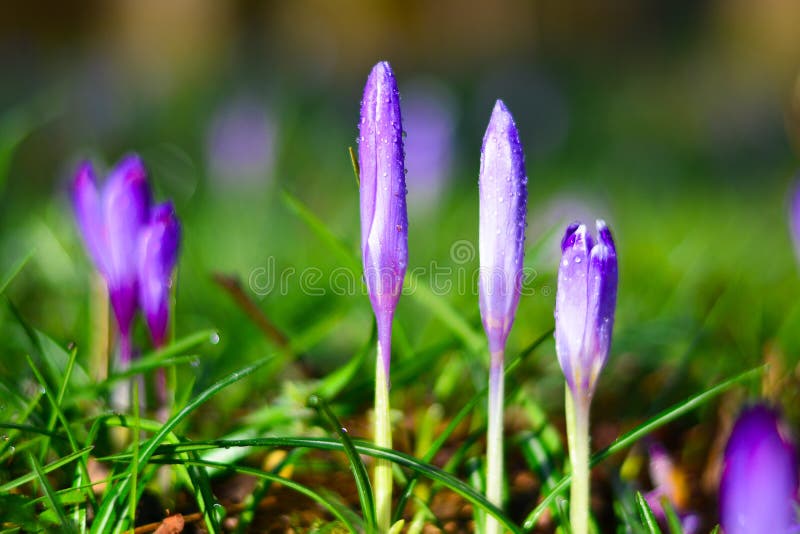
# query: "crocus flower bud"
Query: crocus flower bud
{"points": [[110, 221], [503, 201], [384, 222], [158, 254], [585, 304], [758, 489]]}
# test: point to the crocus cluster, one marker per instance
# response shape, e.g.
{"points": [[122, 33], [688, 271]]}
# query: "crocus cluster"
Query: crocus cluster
{"points": [[759, 485], [133, 244], [585, 305]]}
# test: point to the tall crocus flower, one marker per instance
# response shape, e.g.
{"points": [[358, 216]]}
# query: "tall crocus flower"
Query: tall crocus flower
{"points": [[158, 254], [384, 243], [111, 221], [759, 485], [585, 304], [503, 201]]}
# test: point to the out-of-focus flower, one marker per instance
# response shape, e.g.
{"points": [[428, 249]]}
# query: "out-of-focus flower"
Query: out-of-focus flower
{"points": [[669, 483], [429, 120], [111, 221], [759, 484], [503, 204], [241, 143], [158, 254], [794, 218], [384, 221], [585, 305]]}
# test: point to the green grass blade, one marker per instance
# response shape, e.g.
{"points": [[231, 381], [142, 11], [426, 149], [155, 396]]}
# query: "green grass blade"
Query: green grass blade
{"points": [[646, 515], [107, 516], [344, 254], [52, 466], [639, 432], [14, 270], [363, 486], [673, 521], [52, 499], [362, 447], [338, 511], [82, 467], [465, 410]]}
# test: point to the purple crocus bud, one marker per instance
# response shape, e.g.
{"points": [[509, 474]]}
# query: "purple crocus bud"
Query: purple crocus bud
{"points": [[585, 304], [503, 202], [158, 254], [110, 222], [384, 221], [758, 489]]}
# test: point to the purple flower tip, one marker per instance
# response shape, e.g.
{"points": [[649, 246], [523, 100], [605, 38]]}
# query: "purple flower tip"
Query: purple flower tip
{"points": [[384, 220], [585, 304], [503, 207], [158, 254], [759, 484]]}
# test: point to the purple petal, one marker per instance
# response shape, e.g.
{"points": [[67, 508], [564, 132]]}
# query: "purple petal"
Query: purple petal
{"points": [[794, 218], [570, 230], [602, 292], [126, 209], [503, 204], [758, 489], [384, 222], [572, 304], [158, 254], [86, 202]]}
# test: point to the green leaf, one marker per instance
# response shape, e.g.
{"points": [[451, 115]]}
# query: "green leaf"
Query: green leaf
{"points": [[29, 477], [646, 514], [639, 432], [363, 485], [52, 499], [113, 510], [404, 460]]}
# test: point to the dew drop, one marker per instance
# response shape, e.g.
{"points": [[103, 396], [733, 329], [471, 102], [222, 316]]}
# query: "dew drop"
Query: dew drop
{"points": [[214, 338]]}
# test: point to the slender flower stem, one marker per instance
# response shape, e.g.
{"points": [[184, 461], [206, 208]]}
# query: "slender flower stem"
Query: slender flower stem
{"points": [[577, 412], [494, 440], [383, 430]]}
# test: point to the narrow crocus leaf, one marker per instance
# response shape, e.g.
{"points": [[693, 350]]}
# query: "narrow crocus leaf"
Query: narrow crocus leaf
{"points": [[759, 484], [503, 204], [585, 305], [384, 221], [158, 254]]}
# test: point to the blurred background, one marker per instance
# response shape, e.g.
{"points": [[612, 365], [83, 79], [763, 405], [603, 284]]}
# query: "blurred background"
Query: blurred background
{"points": [[676, 121]]}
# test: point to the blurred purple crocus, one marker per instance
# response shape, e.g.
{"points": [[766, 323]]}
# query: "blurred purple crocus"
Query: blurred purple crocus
{"points": [[585, 305], [429, 118], [669, 483], [794, 218], [759, 485], [111, 221], [503, 204], [158, 254], [384, 220]]}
